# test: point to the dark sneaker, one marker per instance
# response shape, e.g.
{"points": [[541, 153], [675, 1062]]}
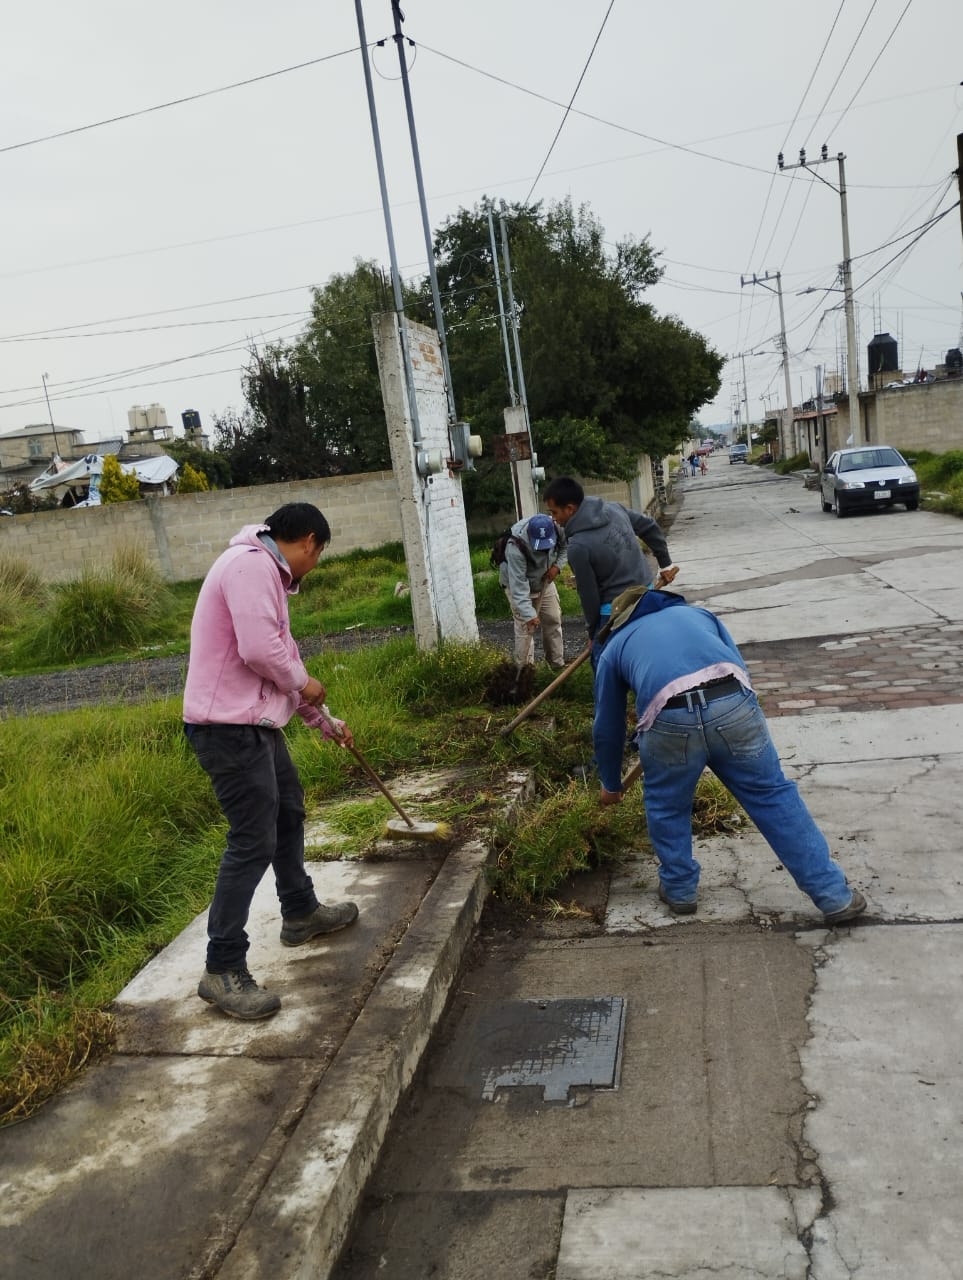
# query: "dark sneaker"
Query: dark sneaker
{"points": [[856, 907], [678, 908], [236, 993], [321, 920]]}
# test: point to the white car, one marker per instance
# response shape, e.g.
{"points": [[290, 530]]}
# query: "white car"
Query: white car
{"points": [[869, 476]]}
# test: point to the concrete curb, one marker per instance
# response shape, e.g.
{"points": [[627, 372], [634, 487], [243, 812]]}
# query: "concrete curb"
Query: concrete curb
{"points": [[299, 1222]]}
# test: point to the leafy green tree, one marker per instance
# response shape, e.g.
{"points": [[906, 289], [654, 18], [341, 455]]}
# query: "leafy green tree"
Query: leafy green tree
{"points": [[117, 485], [607, 379], [209, 462], [192, 481], [314, 407]]}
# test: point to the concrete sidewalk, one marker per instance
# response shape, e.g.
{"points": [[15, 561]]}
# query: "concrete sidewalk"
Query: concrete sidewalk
{"points": [[206, 1146], [789, 1098]]}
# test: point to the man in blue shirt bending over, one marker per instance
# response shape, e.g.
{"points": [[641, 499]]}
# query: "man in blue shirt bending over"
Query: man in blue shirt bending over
{"points": [[695, 709]]}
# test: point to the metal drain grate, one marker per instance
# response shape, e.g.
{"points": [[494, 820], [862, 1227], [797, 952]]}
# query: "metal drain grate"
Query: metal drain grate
{"points": [[552, 1044]]}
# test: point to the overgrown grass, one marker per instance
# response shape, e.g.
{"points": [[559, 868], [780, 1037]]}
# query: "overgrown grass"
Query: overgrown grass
{"points": [[112, 836], [941, 479], [122, 613], [118, 607], [798, 462], [21, 590]]}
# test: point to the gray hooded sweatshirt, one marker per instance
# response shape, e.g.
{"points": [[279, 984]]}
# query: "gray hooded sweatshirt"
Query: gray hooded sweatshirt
{"points": [[605, 556]]}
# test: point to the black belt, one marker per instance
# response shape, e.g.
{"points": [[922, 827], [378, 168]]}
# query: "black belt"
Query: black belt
{"points": [[714, 689]]}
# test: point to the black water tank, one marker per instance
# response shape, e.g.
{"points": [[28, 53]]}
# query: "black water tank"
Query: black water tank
{"points": [[191, 420], [954, 362], [883, 354]]}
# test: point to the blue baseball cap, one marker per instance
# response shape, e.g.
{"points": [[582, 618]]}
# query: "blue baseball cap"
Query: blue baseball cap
{"points": [[541, 533]]}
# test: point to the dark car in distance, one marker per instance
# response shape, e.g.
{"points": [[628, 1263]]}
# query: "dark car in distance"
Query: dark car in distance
{"points": [[738, 453], [868, 477]]}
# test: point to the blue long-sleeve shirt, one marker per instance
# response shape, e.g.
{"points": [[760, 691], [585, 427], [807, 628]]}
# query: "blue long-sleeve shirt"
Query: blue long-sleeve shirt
{"points": [[657, 656]]}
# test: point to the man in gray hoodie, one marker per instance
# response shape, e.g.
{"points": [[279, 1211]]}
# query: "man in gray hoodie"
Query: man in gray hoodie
{"points": [[603, 546]]}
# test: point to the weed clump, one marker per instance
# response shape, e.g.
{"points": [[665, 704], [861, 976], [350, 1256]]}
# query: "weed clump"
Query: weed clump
{"points": [[119, 607], [20, 589]]}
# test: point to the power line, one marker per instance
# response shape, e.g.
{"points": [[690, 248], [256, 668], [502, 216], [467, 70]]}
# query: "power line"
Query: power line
{"points": [[852, 50], [928, 227], [873, 65], [571, 101], [61, 336], [174, 102]]}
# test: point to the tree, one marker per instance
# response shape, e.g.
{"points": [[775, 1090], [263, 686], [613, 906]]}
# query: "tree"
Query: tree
{"points": [[607, 378], [192, 481], [314, 407], [212, 464], [117, 485]]}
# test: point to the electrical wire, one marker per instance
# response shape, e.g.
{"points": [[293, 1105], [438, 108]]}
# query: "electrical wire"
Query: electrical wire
{"points": [[906, 249], [872, 66], [852, 50], [174, 102], [571, 100]]}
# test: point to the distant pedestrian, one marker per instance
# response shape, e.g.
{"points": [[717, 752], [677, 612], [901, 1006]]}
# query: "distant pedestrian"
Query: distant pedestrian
{"points": [[694, 462], [696, 709], [245, 680], [534, 557], [603, 546], [703, 468]]}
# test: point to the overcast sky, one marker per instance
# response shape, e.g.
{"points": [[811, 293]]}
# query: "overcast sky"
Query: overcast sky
{"points": [[139, 259]]}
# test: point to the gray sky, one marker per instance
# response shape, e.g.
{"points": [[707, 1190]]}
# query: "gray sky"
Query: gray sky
{"points": [[175, 216]]}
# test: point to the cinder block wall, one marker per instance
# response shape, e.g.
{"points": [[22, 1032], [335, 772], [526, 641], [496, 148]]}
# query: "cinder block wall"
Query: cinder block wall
{"points": [[182, 535], [925, 415]]}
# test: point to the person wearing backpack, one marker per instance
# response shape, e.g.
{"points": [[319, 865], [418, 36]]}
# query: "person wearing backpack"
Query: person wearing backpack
{"points": [[534, 556]]}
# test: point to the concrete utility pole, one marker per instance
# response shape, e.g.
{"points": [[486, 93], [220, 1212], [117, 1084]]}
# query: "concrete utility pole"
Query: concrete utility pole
{"points": [[745, 401], [786, 441], [959, 173], [852, 358]]}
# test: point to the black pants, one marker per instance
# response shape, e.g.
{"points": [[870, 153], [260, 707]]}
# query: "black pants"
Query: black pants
{"points": [[259, 790]]}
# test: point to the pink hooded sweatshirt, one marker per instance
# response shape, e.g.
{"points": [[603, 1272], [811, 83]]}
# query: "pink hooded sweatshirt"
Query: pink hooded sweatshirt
{"points": [[244, 666]]}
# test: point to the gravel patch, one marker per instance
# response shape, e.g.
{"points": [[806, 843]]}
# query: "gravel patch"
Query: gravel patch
{"points": [[149, 678]]}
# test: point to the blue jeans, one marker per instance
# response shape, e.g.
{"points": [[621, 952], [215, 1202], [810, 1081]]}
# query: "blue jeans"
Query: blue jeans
{"points": [[258, 788], [731, 737]]}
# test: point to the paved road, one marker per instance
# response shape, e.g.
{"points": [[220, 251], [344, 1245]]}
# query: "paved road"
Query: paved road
{"points": [[789, 1100]]}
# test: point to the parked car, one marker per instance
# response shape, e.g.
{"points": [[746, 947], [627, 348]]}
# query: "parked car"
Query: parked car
{"points": [[738, 453], [865, 477]]}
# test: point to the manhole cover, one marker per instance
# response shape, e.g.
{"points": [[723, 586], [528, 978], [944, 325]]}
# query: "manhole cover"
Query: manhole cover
{"points": [[554, 1044]]}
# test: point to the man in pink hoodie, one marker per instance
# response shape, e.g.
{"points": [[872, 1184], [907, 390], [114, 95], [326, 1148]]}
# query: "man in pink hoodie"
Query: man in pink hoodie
{"points": [[245, 680]]}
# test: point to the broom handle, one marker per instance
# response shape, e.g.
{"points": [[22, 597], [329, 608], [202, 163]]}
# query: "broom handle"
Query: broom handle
{"points": [[333, 725]]}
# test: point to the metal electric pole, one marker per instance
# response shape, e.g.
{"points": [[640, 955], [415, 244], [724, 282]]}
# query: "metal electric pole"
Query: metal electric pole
{"points": [[852, 359], [785, 441]]}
